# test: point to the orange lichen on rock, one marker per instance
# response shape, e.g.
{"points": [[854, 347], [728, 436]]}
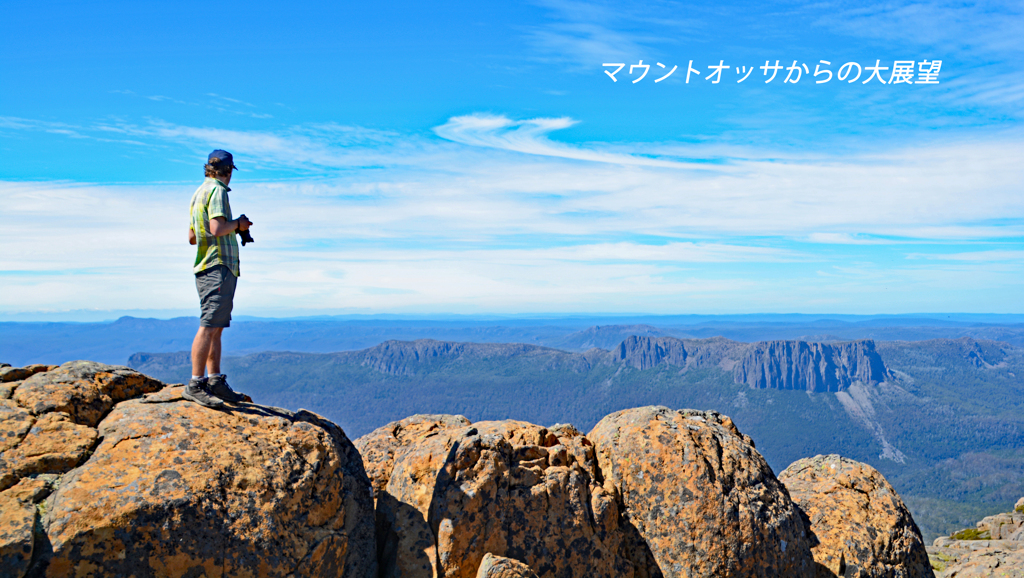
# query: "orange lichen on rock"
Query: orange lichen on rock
{"points": [[403, 459], [18, 516], [84, 390], [500, 567], [861, 526], [527, 492], [457, 492], [175, 488], [702, 499]]}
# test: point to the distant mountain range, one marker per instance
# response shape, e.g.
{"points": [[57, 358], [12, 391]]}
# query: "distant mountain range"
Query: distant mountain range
{"points": [[942, 419], [112, 342]]}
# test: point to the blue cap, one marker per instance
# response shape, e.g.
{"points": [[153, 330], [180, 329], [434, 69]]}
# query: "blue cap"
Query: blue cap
{"points": [[222, 156]]}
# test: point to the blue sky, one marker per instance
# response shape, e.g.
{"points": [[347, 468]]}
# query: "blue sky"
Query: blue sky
{"points": [[476, 158]]}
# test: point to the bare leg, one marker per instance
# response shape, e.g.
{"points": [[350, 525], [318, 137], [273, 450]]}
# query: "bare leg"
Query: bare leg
{"points": [[201, 346], [213, 358]]}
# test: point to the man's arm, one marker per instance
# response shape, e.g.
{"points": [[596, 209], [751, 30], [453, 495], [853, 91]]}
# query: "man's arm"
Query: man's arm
{"points": [[219, 226], [191, 236]]}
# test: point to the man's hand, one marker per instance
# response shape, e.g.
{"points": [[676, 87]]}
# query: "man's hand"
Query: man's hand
{"points": [[191, 236], [219, 226], [244, 233]]}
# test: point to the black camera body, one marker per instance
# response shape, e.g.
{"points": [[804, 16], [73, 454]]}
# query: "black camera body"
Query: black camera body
{"points": [[246, 237]]}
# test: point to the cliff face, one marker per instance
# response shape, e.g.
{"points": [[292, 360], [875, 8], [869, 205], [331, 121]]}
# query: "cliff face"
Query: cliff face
{"points": [[818, 367], [644, 352]]}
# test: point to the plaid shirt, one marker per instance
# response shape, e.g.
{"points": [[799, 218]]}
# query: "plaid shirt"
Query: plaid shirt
{"points": [[211, 200]]}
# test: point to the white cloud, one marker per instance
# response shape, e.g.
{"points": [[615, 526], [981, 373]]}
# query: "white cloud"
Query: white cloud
{"points": [[501, 218], [992, 256], [530, 136]]}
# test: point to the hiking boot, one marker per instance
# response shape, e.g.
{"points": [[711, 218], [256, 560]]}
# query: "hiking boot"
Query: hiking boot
{"points": [[198, 391], [218, 385]]}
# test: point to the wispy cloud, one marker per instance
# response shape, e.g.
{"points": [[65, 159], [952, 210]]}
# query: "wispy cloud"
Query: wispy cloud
{"points": [[491, 214], [993, 256], [216, 102], [530, 136], [978, 41], [585, 34], [985, 27]]}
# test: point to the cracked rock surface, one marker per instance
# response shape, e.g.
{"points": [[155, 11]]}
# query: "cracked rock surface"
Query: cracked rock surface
{"points": [[649, 493], [860, 525], [106, 472], [703, 500], [453, 492]]}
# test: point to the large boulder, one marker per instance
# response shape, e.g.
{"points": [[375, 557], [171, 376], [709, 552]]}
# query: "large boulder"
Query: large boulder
{"points": [[530, 493], [403, 459], [702, 499], [861, 525], [178, 489], [107, 472], [378, 448], [457, 492]]}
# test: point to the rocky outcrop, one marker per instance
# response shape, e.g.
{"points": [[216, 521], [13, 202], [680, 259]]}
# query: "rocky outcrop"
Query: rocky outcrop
{"points": [[403, 459], [379, 447], [702, 499], [48, 423], [499, 567], [860, 525], [83, 391], [456, 492], [995, 547], [649, 493], [107, 472], [527, 492], [9, 374], [818, 367]]}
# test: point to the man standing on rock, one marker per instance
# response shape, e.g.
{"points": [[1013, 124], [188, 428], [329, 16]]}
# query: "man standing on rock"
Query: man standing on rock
{"points": [[216, 270]]}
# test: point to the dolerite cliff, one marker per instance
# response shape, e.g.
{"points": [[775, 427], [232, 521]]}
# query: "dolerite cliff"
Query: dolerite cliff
{"points": [[106, 472], [802, 365], [810, 366]]}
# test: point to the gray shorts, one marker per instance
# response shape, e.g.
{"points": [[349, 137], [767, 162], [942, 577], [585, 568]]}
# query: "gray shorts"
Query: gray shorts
{"points": [[216, 287]]}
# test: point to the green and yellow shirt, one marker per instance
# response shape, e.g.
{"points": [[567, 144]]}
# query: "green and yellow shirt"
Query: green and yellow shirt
{"points": [[211, 200]]}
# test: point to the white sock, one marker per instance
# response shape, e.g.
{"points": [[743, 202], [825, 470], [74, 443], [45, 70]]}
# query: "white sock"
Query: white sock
{"points": [[197, 377], [216, 375]]}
